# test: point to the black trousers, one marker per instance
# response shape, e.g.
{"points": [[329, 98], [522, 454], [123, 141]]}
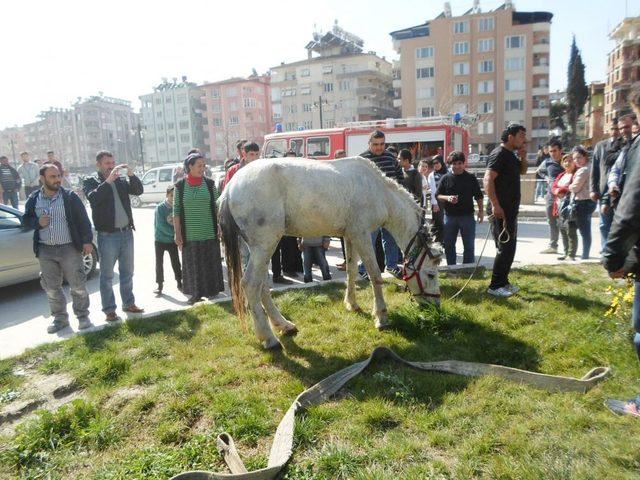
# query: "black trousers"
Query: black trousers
{"points": [[172, 248], [437, 223], [276, 260], [506, 251]]}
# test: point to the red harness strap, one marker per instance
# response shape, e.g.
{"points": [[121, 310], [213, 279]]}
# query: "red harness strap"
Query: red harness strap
{"points": [[416, 273]]}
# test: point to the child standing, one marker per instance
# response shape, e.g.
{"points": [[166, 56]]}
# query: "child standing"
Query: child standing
{"points": [[313, 249], [164, 236]]}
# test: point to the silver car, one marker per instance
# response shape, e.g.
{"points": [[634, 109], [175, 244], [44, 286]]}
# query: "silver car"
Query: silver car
{"points": [[17, 260]]}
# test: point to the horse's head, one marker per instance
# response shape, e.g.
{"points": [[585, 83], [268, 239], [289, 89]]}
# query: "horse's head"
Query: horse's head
{"points": [[421, 267]]}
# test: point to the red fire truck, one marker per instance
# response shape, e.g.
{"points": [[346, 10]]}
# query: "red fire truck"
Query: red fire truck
{"points": [[425, 137]]}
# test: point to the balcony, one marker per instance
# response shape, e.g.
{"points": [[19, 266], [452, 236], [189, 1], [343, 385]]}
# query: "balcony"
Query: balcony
{"points": [[540, 112], [541, 27], [540, 69], [368, 91], [397, 83], [540, 90], [397, 102], [541, 48], [540, 133]]}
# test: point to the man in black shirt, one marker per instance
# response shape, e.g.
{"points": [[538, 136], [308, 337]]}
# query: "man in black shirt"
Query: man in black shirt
{"points": [[411, 178], [502, 186], [550, 169], [457, 191]]}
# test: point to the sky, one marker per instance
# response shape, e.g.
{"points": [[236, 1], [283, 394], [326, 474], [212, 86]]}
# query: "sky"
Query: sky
{"points": [[56, 51]]}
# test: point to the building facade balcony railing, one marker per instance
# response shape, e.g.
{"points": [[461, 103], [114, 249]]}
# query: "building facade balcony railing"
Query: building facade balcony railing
{"points": [[541, 48], [540, 69], [540, 112]]}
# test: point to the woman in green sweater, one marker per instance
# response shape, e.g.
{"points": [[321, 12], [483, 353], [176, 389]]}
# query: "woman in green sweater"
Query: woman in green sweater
{"points": [[195, 223]]}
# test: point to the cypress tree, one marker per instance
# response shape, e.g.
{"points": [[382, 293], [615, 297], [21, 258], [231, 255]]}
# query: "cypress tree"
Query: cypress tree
{"points": [[577, 91]]}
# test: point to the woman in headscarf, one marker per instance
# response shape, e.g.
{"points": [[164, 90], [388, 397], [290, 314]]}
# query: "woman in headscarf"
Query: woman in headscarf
{"points": [[196, 231]]}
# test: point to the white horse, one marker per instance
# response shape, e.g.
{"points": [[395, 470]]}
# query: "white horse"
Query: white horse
{"points": [[348, 198]]}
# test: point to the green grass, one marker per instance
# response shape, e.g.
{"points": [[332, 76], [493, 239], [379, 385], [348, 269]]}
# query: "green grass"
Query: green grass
{"points": [[194, 374]]}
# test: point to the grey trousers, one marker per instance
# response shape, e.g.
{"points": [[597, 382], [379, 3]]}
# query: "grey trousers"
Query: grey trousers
{"points": [[554, 231], [60, 262]]}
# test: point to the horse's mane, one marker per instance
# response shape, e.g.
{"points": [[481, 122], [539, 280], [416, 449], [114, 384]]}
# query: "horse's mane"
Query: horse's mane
{"points": [[394, 186]]}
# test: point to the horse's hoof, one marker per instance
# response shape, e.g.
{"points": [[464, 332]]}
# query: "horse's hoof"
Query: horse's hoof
{"points": [[381, 326], [273, 346], [290, 332], [353, 308]]}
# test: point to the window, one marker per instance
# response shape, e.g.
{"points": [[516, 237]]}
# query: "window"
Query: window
{"points": [[461, 68], [511, 105], [514, 85], [328, 87], [425, 72], [231, 91], [514, 41], [318, 146], [159, 114], [485, 128], [172, 139], [9, 220], [185, 110], [275, 148], [182, 98], [326, 69], [217, 122], [215, 107], [306, 107], [233, 106], [305, 90], [486, 24], [485, 66], [514, 63], [428, 92], [170, 125], [233, 120], [424, 52], [485, 86], [485, 107], [307, 124], [297, 145], [215, 93], [249, 103], [150, 177], [486, 45], [461, 89], [160, 127], [158, 101], [165, 175], [461, 48], [344, 85], [184, 125], [167, 100], [461, 27], [184, 138], [305, 72], [427, 112]]}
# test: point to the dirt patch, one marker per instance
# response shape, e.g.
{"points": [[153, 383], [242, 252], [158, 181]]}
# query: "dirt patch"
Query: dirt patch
{"points": [[39, 391], [121, 397]]}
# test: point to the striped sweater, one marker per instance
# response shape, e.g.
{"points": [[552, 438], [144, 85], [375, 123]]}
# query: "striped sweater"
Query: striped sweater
{"points": [[387, 163]]}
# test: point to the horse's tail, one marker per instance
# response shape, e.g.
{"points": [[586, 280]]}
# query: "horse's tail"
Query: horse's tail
{"points": [[233, 258]]}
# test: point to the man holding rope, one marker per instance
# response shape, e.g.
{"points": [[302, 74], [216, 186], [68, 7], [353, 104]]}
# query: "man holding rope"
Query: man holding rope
{"points": [[502, 186]]}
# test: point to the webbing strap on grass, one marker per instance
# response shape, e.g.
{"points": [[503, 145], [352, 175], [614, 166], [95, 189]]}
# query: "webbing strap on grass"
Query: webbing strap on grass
{"points": [[281, 448]]}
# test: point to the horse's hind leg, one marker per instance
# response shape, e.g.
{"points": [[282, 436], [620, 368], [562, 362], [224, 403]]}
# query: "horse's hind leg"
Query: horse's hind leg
{"points": [[352, 272], [364, 246], [252, 282], [278, 321]]}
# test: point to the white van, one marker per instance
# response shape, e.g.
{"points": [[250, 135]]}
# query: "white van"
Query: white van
{"points": [[155, 183]]}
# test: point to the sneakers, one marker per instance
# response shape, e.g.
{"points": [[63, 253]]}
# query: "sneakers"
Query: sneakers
{"points": [[502, 292], [282, 280], [562, 257], [363, 276], [57, 326], [158, 291], [512, 288], [550, 250], [179, 286], [84, 323], [396, 272]]}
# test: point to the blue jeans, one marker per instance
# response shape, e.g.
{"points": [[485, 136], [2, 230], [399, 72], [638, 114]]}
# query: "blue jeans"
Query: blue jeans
{"points": [[541, 188], [112, 247], [584, 209], [605, 225], [635, 318], [390, 249], [317, 255], [466, 225], [10, 196]]}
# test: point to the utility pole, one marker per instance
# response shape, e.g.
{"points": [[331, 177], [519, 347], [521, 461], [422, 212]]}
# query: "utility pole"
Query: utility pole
{"points": [[141, 150], [13, 152], [319, 106]]}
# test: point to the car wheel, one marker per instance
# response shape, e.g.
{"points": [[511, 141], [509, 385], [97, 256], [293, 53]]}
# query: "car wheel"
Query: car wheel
{"points": [[135, 201], [90, 262]]}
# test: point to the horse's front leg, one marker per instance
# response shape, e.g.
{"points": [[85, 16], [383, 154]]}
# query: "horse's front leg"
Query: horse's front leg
{"points": [[364, 245], [278, 321], [352, 272], [252, 282]]}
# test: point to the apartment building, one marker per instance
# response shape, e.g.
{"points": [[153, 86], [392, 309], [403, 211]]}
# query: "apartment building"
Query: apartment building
{"points": [[172, 121], [337, 83], [12, 143], [237, 108], [623, 67], [55, 130], [492, 66]]}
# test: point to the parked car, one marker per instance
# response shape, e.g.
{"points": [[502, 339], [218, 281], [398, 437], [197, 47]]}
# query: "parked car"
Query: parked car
{"points": [[155, 183], [17, 260]]}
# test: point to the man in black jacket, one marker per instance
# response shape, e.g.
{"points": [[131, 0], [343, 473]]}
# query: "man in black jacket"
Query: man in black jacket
{"points": [[62, 235], [112, 218], [388, 164], [604, 156], [9, 183], [622, 250], [411, 178]]}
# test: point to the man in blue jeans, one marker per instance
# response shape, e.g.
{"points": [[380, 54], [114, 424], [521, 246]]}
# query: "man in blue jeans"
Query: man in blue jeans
{"points": [[388, 164], [112, 218], [457, 190]]}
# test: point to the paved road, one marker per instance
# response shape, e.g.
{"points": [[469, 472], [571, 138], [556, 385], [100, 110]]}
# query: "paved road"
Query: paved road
{"points": [[24, 308]]}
